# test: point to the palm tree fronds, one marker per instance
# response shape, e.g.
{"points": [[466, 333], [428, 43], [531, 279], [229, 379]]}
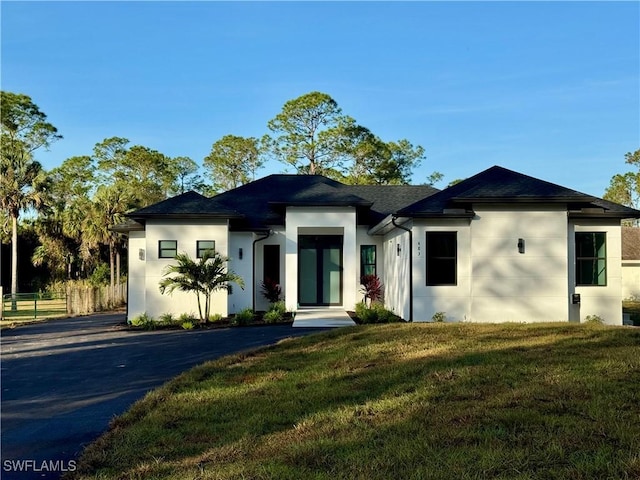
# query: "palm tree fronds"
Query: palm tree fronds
{"points": [[203, 277]]}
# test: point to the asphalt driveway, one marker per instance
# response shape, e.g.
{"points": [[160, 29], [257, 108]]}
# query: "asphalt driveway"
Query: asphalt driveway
{"points": [[64, 380]]}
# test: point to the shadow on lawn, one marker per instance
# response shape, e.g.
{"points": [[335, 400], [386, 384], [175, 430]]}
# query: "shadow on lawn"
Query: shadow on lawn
{"points": [[540, 399]]}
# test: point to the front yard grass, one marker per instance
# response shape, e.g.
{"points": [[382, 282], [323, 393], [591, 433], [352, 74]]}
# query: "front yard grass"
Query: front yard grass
{"points": [[414, 401]]}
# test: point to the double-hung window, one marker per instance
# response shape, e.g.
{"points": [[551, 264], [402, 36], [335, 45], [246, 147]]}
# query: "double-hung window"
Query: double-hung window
{"points": [[591, 258], [441, 252], [167, 248]]}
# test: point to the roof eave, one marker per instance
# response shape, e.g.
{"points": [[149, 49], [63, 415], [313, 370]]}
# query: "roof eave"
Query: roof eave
{"points": [[519, 199], [616, 215], [190, 216], [321, 204], [441, 215], [379, 227], [467, 214]]}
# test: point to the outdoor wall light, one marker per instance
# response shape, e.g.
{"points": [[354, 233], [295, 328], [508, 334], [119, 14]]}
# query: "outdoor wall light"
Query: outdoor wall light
{"points": [[521, 245], [575, 298], [141, 254], [240, 253], [399, 249]]}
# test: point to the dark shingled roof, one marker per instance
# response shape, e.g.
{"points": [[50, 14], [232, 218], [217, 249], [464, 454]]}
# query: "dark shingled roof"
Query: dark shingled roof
{"points": [[186, 205], [263, 200], [630, 243], [388, 199], [262, 203], [498, 184]]}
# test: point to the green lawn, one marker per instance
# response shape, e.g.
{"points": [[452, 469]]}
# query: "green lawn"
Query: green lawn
{"points": [[27, 310], [414, 401]]}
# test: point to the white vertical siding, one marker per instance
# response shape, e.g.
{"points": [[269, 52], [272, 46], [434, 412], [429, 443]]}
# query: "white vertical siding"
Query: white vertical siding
{"points": [[396, 271], [136, 274], [240, 298]]}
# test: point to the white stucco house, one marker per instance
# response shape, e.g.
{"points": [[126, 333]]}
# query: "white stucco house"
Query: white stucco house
{"points": [[497, 247]]}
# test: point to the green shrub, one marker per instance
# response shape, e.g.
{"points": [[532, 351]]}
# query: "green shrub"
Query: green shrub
{"points": [[278, 307], [275, 313], [363, 312], [366, 314], [273, 316], [594, 319], [386, 316], [166, 320], [145, 321], [439, 317], [243, 317], [187, 325], [215, 317], [187, 317], [101, 275], [375, 314]]}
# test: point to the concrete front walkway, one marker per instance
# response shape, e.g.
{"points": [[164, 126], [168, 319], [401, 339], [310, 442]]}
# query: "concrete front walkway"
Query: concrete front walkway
{"points": [[322, 317]]}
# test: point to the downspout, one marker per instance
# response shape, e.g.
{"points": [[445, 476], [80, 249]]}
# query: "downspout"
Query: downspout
{"points": [[266, 235], [401, 227]]}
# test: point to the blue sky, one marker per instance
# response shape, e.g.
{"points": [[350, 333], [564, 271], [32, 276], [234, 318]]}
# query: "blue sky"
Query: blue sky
{"points": [[549, 89]]}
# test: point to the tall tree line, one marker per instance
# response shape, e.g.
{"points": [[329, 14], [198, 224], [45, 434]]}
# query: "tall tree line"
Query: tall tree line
{"points": [[91, 193], [72, 207]]}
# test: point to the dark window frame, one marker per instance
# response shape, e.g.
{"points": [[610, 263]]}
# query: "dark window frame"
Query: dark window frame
{"points": [[271, 260], [432, 258], [162, 250], [594, 259], [200, 250], [363, 264]]}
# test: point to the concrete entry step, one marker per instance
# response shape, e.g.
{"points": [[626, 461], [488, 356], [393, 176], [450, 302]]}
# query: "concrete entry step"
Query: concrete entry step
{"points": [[322, 317]]}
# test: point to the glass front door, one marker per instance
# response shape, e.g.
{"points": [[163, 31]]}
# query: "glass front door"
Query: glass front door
{"points": [[320, 270]]}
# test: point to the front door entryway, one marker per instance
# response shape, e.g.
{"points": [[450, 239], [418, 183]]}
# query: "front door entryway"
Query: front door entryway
{"points": [[320, 270]]}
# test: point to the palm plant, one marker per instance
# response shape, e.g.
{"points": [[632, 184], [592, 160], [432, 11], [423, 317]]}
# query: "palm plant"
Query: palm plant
{"points": [[23, 182], [107, 209], [203, 277], [23, 185]]}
